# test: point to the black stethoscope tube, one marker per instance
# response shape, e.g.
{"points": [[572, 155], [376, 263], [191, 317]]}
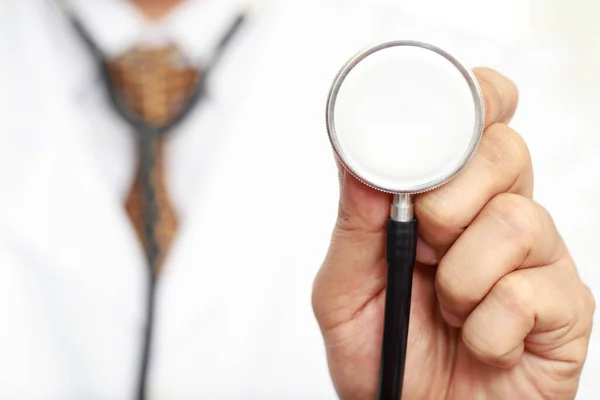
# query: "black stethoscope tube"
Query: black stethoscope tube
{"points": [[400, 253]]}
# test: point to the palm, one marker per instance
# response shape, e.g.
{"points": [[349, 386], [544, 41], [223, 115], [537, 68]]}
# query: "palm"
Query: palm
{"points": [[438, 364]]}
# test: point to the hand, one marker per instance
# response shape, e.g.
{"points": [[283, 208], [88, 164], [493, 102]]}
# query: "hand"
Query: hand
{"points": [[498, 309]]}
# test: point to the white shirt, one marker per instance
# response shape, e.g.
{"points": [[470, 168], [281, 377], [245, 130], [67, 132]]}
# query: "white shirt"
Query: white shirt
{"points": [[195, 27], [252, 175]]}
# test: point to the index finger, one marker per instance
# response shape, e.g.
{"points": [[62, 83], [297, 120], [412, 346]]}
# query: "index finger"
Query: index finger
{"points": [[500, 95]]}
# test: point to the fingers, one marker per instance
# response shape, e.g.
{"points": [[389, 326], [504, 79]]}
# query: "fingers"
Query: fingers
{"points": [[500, 94], [510, 283], [501, 164], [547, 311], [511, 232]]}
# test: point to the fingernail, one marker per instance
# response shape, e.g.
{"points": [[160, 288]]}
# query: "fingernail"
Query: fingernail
{"points": [[425, 253]]}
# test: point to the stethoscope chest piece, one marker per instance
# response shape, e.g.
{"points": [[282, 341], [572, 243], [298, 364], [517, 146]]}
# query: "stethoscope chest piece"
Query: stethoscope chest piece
{"points": [[404, 116]]}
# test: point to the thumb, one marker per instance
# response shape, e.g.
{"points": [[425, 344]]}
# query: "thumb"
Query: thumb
{"points": [[354, 270], [362, 209]]}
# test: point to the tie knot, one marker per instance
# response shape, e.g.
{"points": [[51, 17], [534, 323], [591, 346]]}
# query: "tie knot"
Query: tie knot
{"points": [[153, 83]]}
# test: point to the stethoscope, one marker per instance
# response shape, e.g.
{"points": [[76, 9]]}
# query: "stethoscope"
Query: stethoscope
{"points": [[147, 136], [403, 117]]}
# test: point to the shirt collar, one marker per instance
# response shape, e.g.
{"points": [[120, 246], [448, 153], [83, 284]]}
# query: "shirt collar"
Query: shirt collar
{"points": [[198, 26], [195, 26]]}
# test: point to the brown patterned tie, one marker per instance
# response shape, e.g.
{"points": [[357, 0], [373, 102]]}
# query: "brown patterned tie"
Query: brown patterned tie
{"points": [[155, 85]]}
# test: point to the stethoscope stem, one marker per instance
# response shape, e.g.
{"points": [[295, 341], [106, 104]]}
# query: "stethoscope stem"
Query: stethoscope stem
{"points": [[400, 254], [402, 209]]}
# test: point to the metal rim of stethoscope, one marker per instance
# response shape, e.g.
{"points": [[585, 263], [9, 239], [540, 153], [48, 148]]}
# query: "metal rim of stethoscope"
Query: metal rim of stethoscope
{"points": [[477, 128]]}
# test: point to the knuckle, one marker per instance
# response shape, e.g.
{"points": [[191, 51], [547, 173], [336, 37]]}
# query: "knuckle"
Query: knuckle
{"points": [[440, 213], [585, 307], [344, 221], [319, 292], [485, 348], [515, 293], [519, 215], [506, 150], [350, 226], [479, 343], [501, 94], [451, 291], [315, 299], [492, 97], [357, 222], [590, 301]]}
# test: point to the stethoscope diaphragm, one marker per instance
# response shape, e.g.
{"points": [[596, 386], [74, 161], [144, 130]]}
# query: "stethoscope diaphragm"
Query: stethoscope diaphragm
{"points": [[404, 116]]}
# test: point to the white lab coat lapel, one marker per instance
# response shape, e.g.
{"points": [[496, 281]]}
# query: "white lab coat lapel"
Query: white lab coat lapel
{"points": [[64, 223]]}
